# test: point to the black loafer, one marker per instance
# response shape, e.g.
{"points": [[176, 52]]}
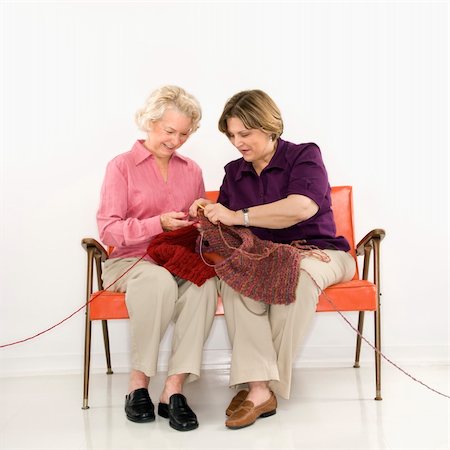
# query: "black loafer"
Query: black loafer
{"points": [[139, 406], [180, 415]]}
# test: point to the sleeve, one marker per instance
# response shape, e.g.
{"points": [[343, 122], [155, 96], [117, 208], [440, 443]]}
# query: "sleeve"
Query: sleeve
{"points": [[114, 225], [224, 196], [200, 185], [308, 175]]}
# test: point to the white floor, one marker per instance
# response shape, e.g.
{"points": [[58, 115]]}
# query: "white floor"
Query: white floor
{"points": [[331, 408]]}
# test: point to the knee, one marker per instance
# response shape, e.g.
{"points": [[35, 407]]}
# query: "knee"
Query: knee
{"points": [[308, 289], [153, 274], [152, 285], [202, 297], [211, 285], [236, 303], [225, 290]]}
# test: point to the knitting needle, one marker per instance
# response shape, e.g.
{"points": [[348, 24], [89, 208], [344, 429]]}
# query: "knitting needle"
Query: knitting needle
{"points": [[200, 206]]}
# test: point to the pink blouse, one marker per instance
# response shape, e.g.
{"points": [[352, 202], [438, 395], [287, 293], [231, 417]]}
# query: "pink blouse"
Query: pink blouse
{"points": [[134, 195]]}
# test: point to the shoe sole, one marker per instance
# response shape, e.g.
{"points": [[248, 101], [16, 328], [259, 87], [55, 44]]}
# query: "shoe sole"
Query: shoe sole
{"points": [[132, 419], [174, 425], [266, 414]]}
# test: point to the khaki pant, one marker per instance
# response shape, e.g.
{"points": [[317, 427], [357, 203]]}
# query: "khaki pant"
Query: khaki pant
{"points": [[266, 338], [154, 297]]}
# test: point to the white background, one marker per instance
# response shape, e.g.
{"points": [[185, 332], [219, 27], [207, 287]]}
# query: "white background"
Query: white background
{"points": [[366, 81]]}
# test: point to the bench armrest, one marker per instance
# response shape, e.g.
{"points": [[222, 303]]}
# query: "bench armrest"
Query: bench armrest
{"points": [[99, 250], [367, 240]]}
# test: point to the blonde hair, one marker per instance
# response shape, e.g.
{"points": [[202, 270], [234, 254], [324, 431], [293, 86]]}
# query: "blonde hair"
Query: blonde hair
{"points": [[168, 97], [256, 110]]}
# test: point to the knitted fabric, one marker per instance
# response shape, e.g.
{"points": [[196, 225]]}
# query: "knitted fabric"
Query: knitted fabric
{"points": [[262, 270], [175, 251]]}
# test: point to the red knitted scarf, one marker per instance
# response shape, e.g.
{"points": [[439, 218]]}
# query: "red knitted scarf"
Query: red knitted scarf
{"points": [[175, 251]]}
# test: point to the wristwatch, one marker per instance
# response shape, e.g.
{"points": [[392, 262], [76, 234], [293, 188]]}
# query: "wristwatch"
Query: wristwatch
{"points": [[246, 221]]}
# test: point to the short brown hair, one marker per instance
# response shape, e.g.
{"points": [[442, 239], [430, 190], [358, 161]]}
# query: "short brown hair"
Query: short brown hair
{"points": [[256, 110]]}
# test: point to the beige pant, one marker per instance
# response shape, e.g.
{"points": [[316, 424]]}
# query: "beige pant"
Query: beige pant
{"points": [[266, 338], [154, 297]]}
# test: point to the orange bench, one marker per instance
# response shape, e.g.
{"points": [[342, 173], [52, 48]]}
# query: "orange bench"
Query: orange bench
{"points": [[359, 294]]}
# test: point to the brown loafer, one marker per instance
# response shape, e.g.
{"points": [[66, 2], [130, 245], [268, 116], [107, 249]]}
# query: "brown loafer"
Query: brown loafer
{"points": [[247, 413], [236, 402]]}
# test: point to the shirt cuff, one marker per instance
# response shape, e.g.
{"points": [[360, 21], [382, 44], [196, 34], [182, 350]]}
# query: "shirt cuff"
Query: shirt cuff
{"points": [[153, 226]]}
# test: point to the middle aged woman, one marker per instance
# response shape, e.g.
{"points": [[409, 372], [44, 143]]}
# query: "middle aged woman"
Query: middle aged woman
{"points": [[281, 191], [147, 191]]}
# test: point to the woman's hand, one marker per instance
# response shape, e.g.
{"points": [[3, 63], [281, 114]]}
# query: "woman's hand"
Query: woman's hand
{"points": [[218, 213], [200, 202], [173, 220]]}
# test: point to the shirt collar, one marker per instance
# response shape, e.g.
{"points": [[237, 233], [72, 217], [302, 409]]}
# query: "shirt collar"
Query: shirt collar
{"points": [[141, 153], [278, 161]]}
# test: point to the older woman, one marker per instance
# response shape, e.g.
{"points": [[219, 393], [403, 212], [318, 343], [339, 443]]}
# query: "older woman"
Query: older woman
{"points": [[281, 191], [146, 191]]}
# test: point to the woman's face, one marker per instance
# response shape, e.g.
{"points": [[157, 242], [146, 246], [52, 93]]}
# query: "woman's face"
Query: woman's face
{"points": [[255, 145], [168, 133]]}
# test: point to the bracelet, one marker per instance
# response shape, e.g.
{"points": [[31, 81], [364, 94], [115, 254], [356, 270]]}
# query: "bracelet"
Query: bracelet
{"points": [[246, 221]]}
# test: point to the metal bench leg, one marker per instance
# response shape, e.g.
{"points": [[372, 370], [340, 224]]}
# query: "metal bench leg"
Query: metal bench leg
{"points": [[107, 349]]}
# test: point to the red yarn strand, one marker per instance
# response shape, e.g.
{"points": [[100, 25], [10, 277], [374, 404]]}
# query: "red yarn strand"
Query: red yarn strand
{"points": [[248, 255], [367, 341], [97, 294]]}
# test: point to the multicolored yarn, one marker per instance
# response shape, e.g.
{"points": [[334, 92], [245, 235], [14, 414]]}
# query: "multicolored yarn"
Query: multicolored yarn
{"points": [[262, 270]]}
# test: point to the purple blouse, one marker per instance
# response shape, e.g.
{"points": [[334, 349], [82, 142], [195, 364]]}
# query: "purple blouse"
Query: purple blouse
{"points": [[293, 169]]}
